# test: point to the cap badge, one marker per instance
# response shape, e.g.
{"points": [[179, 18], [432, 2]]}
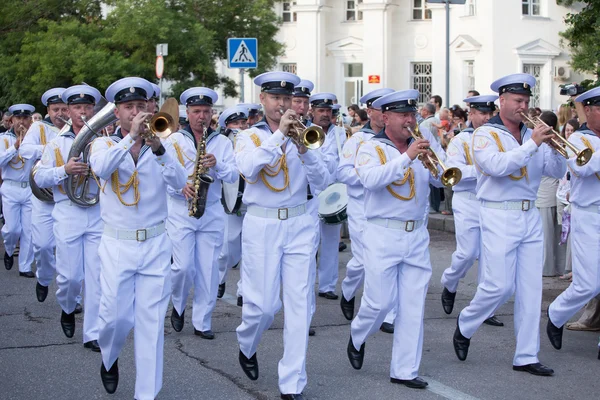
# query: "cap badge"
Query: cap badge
{"points": [[283, 83], [81, 95], [525, 85], [131, 90]]}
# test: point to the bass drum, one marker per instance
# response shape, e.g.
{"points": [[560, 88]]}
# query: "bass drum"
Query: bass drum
{"points": [[333, 202], [231, 195]]}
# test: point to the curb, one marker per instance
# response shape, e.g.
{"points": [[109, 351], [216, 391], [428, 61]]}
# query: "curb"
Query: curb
{"points": [[439, 222]]}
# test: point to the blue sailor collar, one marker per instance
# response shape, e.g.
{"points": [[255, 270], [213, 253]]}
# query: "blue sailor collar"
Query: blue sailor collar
{"points": [[187, 132], [10, 132], [69, 133], [262, 124], [468, 130], [48, 121], [585, 130], [367, 129], [383, 138], [497, 123]]}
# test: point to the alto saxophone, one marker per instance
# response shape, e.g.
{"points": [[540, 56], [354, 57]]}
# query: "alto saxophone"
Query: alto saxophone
{"points": [[201, 181]]}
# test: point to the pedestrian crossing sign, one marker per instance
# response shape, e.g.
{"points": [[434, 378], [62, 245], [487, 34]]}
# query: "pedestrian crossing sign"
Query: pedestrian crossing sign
{"points": [[242, 53]]}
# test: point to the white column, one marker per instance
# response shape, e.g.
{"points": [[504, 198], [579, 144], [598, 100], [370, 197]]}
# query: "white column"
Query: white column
{"points": [[376, 42], [310, 42]]}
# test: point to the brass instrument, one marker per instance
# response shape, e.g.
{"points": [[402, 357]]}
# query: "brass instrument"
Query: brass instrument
{"points": [[311, 137], [582, 156], [450, 176], [201, 181], [165, 122]]}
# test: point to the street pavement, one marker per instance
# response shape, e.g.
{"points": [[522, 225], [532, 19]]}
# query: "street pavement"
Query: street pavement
{"points": [[38, 362]]}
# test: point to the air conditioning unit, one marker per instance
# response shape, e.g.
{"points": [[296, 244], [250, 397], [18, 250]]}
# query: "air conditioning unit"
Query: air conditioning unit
{"points": [[562, 73]]}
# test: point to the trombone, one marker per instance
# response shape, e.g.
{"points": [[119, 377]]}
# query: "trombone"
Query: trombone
{"points": [[582, 156], [311, 137], [450, 176], [165, 122]]}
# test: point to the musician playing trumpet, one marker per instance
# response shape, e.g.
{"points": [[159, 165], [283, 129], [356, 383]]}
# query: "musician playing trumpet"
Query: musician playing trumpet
{"points": [[396, 255], [134, 168], [16, 193]]}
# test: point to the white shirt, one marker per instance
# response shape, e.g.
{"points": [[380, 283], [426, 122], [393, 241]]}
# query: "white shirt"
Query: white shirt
{"points": [[32, 146], [494, 166], [347, 172], [456, 156], [585, 184], [154, 174], [546, 195], [14, 166], [331, 151], [303, 169]]}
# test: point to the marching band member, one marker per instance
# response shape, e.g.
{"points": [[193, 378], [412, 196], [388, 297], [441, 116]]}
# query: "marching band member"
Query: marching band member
{"points": [[356, 216], [154, 99], [77, 229], [197, 241], [134, 250], [465, 205], [585, 222], [231, 121], [276, 232], [510, 161], [397, 265], [16, 193], [253, 110], [39, 134], [300, 102]]}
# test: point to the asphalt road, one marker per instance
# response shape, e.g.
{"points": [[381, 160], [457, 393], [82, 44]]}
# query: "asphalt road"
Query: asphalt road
{"points": [[38, 362]]}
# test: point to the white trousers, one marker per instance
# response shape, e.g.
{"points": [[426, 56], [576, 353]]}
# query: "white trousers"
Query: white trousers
{"points": [[355, 268], [136, 284], [585, 235], [512, 251], [42, 236], [397, 273], [278, 255], [231, 252], [465, 208], [196, 248], [551, 232], [16, 207], [77, 232], [329, 256]]}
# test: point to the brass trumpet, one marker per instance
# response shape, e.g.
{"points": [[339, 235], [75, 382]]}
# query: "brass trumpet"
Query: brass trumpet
{"points": [[311, 137], [582, 156], [450, 176], [165, 122]]}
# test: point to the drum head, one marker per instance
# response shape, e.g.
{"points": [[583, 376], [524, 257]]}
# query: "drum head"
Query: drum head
{"points": [[231, 196], [333, 199]]}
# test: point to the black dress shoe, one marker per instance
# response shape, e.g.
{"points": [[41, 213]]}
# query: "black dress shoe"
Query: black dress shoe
{"points": [[328, 295], [535, 369], [387, 327], [493, 321], [67, 323], [555, 334], [448, 300], [461, 344], [235, 266], [311, 331], [416, 383], [110, 378], [204, 334], [347, 307], [240, 301], [93, 345], [41, 292], [27, 274], [249, 366], [342, 246], [78, 309], [177, 320], [288, 396], [221, 290], [8, 261], [356, 357]]}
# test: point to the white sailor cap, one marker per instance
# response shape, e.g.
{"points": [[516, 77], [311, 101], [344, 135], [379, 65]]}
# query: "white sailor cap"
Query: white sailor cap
{"points": [[401, 101], [590, 98], [21, 110], [52, 96], [253, 108], [482, 103], [304, 88], [156, 94], [515, 83], [81, 94], [182, 116], [335, 109], [277, 82], [198, 96], [232, 114], [322, 100], [373, 95], [129, 89]]}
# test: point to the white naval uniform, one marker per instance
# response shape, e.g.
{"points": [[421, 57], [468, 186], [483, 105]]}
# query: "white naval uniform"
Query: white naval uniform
{"points": [[77, 233], [511, 232], [16, 200], [41, 133], [465, 208], [135, 254], [397, 264], [277, 247], [585, 231], [197, 242]]}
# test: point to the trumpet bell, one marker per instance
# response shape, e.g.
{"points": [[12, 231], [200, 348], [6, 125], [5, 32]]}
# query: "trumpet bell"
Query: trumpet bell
{"points": [[451, 177], [584, 156], [313, 137]]}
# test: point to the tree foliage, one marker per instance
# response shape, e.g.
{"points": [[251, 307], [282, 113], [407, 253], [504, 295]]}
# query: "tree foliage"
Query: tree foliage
{"points": [[48, 43]]}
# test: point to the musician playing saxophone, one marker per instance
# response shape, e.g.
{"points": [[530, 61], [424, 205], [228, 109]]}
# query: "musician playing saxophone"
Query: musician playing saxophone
{"points": [[197, 242], [134, 168]]}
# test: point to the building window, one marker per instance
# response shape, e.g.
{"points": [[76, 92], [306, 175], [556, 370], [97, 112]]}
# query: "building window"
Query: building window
{"points": [[470, 8], [420, 10], [289, 67], [470, 75], [352, 13], [287, 15], [353, 83], [536, 71], [420, 76], [531, 7]]}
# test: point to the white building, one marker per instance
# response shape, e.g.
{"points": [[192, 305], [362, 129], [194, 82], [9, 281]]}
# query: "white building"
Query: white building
{"points": [[351, 47]]}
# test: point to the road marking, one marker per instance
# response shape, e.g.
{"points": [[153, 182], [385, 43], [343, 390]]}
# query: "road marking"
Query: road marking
{"points": [[447, 391]]}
